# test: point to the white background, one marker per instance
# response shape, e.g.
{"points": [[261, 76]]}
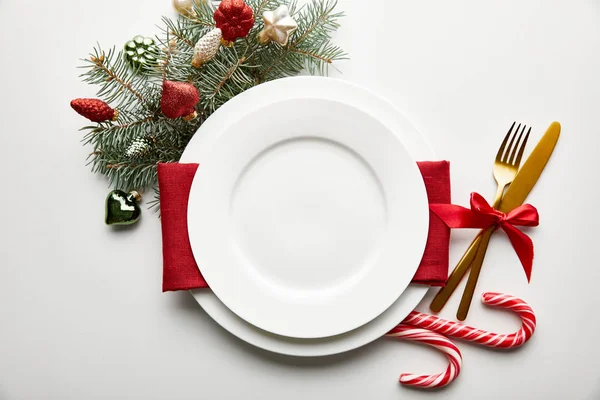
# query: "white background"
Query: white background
{"points": [[82, 315]]}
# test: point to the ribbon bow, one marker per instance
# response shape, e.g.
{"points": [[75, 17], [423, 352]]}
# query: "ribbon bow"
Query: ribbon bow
{"points": [[482, 215]]}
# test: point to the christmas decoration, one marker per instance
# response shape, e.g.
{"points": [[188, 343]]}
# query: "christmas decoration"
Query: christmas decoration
{"points": [[488, 339], [122, 208], [94, 109], [482, 215], [146, 110], [139, 147], [278, 26], [206, 47], [435, 331], [141, 53], [235, 19], [185, 7], [437, 341], [179, 99]]}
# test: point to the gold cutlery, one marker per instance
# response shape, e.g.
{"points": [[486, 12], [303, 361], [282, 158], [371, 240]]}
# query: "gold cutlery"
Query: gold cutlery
{"points": [[505, 169], [504, 172], [515, 196]]}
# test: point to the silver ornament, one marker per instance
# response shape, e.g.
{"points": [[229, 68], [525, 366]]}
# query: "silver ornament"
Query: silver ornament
{"points": [[206, 47], [139, 147], [279, 25]]}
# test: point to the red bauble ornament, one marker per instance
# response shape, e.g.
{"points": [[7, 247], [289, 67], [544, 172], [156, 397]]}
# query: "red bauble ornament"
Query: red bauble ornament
{"points": [[179, 99], [94, 109], [234, 18]]}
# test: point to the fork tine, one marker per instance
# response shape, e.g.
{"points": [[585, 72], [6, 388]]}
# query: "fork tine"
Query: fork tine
{"points": [[522, 149], [506, 156], [503, 145], [513, 150]]}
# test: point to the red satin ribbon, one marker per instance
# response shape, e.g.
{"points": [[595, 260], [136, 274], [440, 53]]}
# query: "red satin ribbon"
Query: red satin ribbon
{"points": [[482, 215]]}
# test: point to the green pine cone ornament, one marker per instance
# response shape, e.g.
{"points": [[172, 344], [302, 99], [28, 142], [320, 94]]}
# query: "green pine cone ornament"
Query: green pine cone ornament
{"points": [[122, 208], [141, 53]]}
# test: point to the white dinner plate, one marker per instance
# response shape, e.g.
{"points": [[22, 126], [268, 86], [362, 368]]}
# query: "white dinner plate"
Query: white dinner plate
{"points": [[293, 88], [309, 217]]}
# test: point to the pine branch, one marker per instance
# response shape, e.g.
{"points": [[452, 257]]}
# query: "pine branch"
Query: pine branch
{"points": [[116, 135], [202, 14], [233, 70], [182, 39], [182, 29], [117, 82], [319, 60], [184, 34], [228, 75], [259, 6], [310, 46], [224, 77], [154, 204], [313, 55], [167, 55]]}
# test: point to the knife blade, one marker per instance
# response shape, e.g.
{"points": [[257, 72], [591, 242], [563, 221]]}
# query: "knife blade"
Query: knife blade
{"points": [[530, 172], [515, 195]]}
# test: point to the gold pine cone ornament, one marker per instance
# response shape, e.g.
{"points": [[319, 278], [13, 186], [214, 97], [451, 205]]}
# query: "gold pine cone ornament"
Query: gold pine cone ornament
{"points": [[206, 47]]}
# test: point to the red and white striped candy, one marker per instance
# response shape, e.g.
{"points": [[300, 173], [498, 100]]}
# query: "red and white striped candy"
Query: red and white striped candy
{"points": [[438, 341], [479, 336], [428, 329]]}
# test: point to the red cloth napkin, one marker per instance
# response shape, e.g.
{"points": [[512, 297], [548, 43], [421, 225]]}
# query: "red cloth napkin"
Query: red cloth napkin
{"points": [[180, 271]]}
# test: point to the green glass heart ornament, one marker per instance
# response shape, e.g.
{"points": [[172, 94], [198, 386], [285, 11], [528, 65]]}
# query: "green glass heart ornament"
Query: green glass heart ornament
{"points": [[122, 208]]}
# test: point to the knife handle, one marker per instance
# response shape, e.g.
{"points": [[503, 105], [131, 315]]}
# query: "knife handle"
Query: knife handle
{"points": [[467, 297], [441, 298]]}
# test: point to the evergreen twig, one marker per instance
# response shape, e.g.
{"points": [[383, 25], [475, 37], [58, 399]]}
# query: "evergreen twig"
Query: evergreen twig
{"points": [[234, 69]]}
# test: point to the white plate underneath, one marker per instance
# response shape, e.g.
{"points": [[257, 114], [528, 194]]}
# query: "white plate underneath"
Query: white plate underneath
{"points": [[294, 88], [309, 217]]}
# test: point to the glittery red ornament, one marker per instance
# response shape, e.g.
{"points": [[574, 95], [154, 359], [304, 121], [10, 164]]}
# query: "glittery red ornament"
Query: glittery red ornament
{"points": [[94, 109], [179, 99], [234, 18]]}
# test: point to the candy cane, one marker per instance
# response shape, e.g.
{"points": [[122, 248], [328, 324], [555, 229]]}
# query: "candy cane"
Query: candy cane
{"points": [[428, 329], [470, 334], [438, 341]]}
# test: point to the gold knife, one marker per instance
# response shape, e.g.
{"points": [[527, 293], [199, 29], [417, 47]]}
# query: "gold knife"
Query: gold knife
{"points": [[515, 196]]}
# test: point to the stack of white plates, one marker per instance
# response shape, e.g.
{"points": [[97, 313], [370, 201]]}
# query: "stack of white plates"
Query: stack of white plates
{"points": [[308, 215]]}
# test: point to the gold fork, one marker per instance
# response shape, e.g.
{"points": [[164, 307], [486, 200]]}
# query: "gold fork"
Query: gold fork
{"points": [[505, 168]]}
